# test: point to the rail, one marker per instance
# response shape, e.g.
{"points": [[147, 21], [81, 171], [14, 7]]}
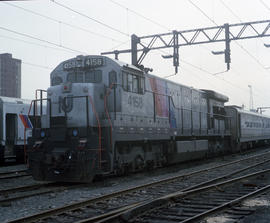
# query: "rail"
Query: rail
{"points": [[151, 186], [142, 208]]}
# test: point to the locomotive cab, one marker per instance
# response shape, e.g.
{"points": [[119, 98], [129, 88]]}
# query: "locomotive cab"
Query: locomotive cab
{"points": [[72, 142]]}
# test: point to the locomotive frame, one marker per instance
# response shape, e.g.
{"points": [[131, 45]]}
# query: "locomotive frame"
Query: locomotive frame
{"points": [[104, 116]]}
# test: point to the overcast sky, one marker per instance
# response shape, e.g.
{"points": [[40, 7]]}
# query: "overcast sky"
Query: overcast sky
{"points": [[109, 25]]}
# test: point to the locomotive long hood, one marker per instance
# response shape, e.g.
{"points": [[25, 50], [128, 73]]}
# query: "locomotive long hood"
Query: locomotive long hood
{"points": [[215, 95]]}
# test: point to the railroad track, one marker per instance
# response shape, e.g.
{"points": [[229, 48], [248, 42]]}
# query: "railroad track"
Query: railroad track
{"points": [[16, 193], [118, 202], [13, 174], [195, 205]]}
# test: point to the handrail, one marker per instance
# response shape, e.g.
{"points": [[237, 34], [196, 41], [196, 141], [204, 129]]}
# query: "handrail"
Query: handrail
{"points": [[99, 128], [24, 136], [106, 110], [35, 103], [41, 96]]}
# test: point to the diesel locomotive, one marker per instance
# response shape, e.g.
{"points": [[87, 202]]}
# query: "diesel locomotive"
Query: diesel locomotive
{"points": [[104, 116]]}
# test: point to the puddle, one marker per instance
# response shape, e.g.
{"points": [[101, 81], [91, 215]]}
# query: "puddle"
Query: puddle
{"points": [[219, 219], [256, 202]]}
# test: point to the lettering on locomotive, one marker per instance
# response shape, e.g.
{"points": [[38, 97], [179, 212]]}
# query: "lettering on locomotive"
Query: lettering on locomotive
{"points": [[88, 62], [135, 101], [65, 104]]}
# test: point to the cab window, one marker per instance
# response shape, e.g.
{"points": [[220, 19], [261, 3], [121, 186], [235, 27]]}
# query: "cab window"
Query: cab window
{"points": [[79, 77], [141, 85], [71, 77], [133, 82], [112, 78], [124, 79], [93, 76], [129, 84], [56, 81]]}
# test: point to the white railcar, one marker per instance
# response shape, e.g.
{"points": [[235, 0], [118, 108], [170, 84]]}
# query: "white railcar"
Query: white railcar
{"points": [[12, 131], [248, 128]]}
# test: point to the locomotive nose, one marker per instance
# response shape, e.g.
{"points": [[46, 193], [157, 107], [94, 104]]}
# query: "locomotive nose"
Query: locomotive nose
{"points": [[57, 156], [66, 87]]}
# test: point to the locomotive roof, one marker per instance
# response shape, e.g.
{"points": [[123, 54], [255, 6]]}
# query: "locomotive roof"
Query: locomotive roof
{"points": [[118, 62], [173, 82], [215, 95], [240, 110], [123, 64], [14, 100]]}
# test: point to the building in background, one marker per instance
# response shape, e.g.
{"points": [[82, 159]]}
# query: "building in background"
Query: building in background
{"points": [[10, 76]]}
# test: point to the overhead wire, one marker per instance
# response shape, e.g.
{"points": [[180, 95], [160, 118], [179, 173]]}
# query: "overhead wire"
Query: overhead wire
{"points": [[140, 15], [36, 44], [64, 6], [238, 73], [202, 79], [61, 22], [245, 50], [37, 65], [194, 66], [121, 44], [212, 75], [41, 40], [197, 7], [229, 9], [235, 15], [265, 5], [209, 73], [268, 8], [90, 18], [226, 81]]}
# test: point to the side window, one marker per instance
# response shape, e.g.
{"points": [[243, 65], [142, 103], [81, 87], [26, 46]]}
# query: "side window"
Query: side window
{"points": [[135, 84], [71, 77], [79, 77], [97, 76], [124, 80], [56, 81], [93, 76], [75, 77], [112, 79], [89, 77], [130, 82], [141, 85]]}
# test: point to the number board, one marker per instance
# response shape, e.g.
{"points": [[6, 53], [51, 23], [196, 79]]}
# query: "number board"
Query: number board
{"points": [[94, 62], [72, 64], [88, 63]]}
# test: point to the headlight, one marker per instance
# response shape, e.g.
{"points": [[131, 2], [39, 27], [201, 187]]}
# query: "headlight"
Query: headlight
{"points": [[49, 92], [74, 132], [42, 134]]}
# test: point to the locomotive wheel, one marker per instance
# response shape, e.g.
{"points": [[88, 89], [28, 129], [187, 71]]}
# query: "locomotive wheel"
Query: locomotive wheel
{"points": [[121, 170], [138, 163]]}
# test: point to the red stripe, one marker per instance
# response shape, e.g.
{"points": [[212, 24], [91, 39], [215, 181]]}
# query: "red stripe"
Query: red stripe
{"points": [[25, 121]]}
